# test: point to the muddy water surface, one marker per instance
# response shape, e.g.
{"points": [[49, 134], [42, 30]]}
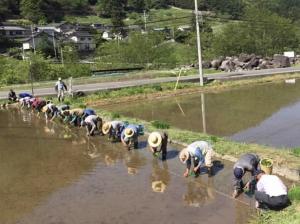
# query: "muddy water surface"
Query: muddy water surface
{"points": [[51, 175], [265, 114]]}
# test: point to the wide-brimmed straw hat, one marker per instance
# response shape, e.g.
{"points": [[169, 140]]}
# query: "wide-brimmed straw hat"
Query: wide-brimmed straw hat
{"points": [[184, 155], [154, 139], [106, 127], [129, 132], [44, 109], [158, 186]]}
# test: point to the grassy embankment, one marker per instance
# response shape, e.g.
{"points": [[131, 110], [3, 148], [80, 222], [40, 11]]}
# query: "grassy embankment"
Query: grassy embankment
{"points": [[287, 158], [290, 215]]}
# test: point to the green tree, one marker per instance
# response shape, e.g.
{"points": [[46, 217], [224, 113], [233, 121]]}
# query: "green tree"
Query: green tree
{"points": [[261, 32], [137, 5], [31, 9]]}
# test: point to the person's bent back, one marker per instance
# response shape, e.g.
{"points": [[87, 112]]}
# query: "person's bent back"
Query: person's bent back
{"points": [[271, 192]]}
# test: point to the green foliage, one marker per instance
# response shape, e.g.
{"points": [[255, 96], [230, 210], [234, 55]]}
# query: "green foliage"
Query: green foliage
{"points": [[115, 115], [148, 50], [13, 71], [296, 151], [160, 124], [272, 35], [294, 193], [16, 71]]}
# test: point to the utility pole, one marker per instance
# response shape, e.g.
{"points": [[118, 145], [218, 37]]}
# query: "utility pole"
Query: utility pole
{"points": [[33, 42], [54, 45], [62, 55], [199, 45], [145, 21]]}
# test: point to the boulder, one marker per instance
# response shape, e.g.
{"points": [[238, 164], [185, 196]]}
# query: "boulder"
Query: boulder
{"points": [[227, 66], [216, 63], [206, 64], [253, 63], [281, 61], [244, 57]]}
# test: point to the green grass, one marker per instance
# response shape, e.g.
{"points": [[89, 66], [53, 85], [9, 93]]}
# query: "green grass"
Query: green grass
{"points": [[294, 193], [296, 151], [160, 124], [171, 14], [87, 20], [290, 215]]}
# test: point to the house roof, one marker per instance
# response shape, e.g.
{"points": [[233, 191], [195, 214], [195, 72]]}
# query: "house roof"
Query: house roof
{"points": [[37, 35], [81, 34], [12, 28]]}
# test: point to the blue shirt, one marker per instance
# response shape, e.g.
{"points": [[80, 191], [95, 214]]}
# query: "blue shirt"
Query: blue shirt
{"points": [[88, 112], [134, 128]]}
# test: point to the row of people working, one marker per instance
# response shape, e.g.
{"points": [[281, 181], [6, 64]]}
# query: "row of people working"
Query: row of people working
{"points": [[270, 192]]}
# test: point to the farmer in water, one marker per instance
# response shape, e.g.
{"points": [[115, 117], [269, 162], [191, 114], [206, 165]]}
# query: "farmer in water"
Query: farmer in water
{"points": [[158, 143], [271, 192], [129, 136], [247, 162], [113, 129], [60, 88], [199, 152]]}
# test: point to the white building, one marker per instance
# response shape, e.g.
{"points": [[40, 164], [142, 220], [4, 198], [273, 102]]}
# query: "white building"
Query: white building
{"points": [[84, 41]]}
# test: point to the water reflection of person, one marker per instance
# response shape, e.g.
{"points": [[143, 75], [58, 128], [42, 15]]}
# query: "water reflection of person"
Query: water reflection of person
{"points": [[134, 161], [160, 177], [92, 150], [199, 193]]}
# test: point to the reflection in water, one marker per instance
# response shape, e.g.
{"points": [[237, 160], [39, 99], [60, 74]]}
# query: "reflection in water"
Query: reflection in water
{"points": [[160, 176], [203, 113], [199, 193], [222, 114], [134, 161]]}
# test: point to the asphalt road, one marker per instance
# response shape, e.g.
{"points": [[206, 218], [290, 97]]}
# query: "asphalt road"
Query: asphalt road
{"points": [[123, 84]]}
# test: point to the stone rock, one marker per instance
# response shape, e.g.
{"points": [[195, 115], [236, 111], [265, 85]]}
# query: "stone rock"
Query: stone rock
{"points": [[244, 57], [253, 63], [206, 64], [281, 61], [227, 66], [216, 63]]}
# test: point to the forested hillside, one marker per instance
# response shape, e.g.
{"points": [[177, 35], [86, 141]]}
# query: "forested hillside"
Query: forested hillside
{"points": [[55, 10]]}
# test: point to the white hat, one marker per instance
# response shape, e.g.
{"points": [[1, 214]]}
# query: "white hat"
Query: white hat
{"points": [[154, 139], [106, 127], [184, 155], [59, 79], [129, 132]]}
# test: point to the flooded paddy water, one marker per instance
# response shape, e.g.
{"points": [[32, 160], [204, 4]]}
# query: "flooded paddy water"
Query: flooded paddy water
{"points": [[51, 174], [266, 114]]}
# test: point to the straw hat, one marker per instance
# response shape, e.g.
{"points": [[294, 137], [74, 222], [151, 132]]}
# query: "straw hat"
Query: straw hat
{"points": [[184, 155], [44, 109], [129, 132], [158, 186], [106, 127], [154, 139]]}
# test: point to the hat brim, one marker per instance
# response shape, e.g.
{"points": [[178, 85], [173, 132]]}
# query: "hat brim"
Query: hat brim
{"points": [[158, 136], [106, 127], [129, 136], [184, 153]]}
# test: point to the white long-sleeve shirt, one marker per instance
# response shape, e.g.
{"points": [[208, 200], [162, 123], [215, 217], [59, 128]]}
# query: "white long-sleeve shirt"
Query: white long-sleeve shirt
{"points": [[271, 185]]}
